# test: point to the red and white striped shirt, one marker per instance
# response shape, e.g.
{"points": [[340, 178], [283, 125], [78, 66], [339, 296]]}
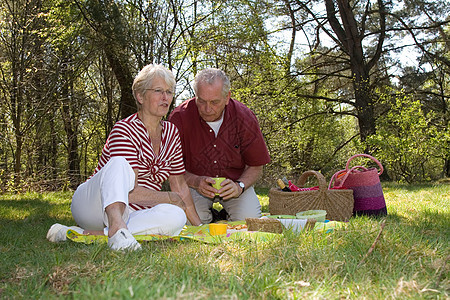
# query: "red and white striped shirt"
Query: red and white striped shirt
{"points": [[129, 138]]}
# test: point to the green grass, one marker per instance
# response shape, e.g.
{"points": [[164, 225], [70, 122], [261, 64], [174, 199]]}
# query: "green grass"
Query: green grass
{"points": [[410, 259]]}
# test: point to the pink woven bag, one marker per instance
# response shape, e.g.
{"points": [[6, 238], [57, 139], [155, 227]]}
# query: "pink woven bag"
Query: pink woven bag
{"points": [[366, 186]]}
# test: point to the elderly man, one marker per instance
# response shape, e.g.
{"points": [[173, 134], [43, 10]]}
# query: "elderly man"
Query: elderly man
{"points": [[220, 137]]}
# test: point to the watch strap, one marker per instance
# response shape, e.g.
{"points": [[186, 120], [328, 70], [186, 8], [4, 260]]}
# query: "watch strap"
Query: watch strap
{"points": [[242, 185]]}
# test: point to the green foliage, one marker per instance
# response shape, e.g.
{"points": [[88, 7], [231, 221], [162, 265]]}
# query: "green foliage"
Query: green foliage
{"points": [[407, 143], [65, 66], [301, 133]]}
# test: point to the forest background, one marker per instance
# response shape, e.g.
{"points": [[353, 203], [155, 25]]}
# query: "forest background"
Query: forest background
{"points": [[326, 79]]}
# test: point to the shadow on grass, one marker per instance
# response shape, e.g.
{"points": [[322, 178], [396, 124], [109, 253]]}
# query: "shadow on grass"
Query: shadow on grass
{"points": [[31, 213], [409, 187]]}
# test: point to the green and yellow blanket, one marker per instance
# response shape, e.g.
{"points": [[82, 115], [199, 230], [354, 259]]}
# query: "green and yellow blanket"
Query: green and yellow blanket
{"points": [[201, 234]]}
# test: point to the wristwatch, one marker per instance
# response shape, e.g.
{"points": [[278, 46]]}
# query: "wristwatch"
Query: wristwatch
{"points": [[242, 185]]}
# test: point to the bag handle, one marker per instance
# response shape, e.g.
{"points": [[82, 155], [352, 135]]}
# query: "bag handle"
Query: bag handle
{"points": [[322, 183], [364, 155], [346, 173]]}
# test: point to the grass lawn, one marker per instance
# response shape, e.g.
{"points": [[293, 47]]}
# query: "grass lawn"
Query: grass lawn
{"points": [[409, 260]]}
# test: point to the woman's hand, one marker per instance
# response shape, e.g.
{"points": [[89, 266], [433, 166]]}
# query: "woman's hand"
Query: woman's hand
{"points": [[175, 199], [181, 190]]}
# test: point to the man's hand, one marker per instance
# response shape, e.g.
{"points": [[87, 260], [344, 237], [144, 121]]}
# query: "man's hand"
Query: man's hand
{"points": [[230, 189], [204, 186]]}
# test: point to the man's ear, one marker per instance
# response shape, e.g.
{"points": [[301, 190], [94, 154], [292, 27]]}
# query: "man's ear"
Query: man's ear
{"points": [[228, 97]]}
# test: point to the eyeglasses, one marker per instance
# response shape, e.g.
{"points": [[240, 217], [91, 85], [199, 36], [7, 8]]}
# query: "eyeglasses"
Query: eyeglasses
{"points": [[160, 92]]}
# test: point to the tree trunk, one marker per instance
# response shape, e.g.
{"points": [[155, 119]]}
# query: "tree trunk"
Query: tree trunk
{"points": [[108, 83], [105, 19], [125, 80], [292, 41], [447, 168], [53, 151], [17, 159], [351, 37], [363, 104], [16, 115], [70, 127]]}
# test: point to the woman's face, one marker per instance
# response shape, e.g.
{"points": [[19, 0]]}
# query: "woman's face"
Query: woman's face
{"points": [[157, 98]]}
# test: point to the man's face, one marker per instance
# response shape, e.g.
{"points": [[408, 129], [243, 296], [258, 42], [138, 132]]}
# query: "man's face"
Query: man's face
{"points": [[210, 101]]}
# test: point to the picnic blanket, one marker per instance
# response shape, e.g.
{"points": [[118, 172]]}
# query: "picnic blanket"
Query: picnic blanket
{"points": [[201, 234]]}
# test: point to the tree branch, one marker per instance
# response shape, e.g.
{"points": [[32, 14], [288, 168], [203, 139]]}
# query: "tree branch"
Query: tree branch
{"points": [[374, 243], [420, 45], [381, 37], [336, 26]]}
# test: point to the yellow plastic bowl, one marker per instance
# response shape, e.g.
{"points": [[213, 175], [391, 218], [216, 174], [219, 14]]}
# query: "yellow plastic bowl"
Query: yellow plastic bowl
{"points": [[217, 229]]}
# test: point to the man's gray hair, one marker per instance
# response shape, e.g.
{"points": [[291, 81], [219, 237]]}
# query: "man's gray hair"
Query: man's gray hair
{"points": [[209, 76]]}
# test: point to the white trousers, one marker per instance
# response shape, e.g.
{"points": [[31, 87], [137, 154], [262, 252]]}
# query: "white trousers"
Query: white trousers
{"points": [[112, 184], [245, 206]]}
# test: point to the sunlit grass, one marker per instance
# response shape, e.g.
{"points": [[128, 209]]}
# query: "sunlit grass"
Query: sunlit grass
{"points": [[410, 260]]}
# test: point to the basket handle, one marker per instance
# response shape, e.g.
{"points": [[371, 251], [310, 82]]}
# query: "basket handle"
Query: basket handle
{"points": [[364, 155], [322, 183]]}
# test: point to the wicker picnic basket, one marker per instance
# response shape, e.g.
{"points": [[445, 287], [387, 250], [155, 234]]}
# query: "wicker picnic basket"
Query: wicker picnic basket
{"points": [[264, 225], [337, 202], [272, 225]]}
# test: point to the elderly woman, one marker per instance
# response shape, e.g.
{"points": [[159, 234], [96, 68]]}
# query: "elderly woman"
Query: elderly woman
{"points": [[123, 197]]}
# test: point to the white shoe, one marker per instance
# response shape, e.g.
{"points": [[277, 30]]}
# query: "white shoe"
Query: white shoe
{"points": [[123, 240], [57, 233]]}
